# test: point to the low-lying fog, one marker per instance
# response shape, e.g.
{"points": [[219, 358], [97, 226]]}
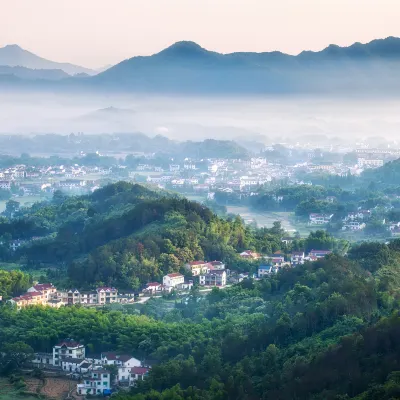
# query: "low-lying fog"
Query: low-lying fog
{"points": [[279, 119]]}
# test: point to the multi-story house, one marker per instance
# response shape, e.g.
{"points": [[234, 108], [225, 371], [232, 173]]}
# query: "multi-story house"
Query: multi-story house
{"points": [[249, 254], [319, 219], [172, 280], [107, 295], [298, 257], [213, 278], [137, 374], [216, 265], [29, 299], [68, 348], [319, 253], [99, 383], [73, 297], [198, 267], [90, 297], [47, 289], [264, 270]]}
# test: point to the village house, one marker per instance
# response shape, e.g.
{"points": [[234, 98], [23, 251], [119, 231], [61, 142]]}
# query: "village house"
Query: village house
{"points": [[319, 219], [47, 289], [76, 365], [319, 253], [172, 280], [41, 360], [249, 254], [198, 267], [29, 299], [6, 185], [354, 226], [276, 260], [68, 348], [99, 383], [297, 257], [153, 287], [137, 374], [264, 270], [216, 265], [287, 240], [107, 295], [213, 278]]}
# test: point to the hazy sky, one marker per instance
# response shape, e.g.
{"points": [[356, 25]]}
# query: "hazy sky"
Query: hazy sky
{"points": [[94, 33]]}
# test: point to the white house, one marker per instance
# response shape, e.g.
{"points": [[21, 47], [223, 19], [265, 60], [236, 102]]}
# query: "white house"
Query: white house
{"points": [[173, 279], [213, 278], [106, 295], [98, 383], [42, 359], [320, 219], [264, 270], [298, 257], [137, 374], [68, 348]]}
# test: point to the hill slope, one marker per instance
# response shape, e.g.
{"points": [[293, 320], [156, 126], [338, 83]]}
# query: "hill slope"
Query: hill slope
{"points": [[15, 56]]}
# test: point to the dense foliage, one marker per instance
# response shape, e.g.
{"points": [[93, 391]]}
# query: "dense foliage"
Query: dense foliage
{"points": [[318, 331]]}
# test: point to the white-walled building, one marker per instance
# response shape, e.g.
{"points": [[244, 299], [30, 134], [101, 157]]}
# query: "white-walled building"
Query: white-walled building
{"points": [[68, 348], [173, 280]]}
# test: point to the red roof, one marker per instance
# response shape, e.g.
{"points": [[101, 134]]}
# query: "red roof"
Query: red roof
{"points": [[153, 284], [69, 343], [175, 275], [115, 356], [43, 286], [35, 294], [139, 370], [197, 263]]}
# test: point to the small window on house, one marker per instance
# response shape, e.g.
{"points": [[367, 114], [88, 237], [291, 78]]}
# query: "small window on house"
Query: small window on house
{"points": [[105, 375]]}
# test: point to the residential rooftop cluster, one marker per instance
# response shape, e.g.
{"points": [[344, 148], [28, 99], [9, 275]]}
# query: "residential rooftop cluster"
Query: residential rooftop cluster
{"points": [[70, 357]]}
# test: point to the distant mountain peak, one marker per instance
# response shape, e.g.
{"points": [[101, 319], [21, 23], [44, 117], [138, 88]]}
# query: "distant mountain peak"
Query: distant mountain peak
{"points": [[184, 49], [13, 55]]}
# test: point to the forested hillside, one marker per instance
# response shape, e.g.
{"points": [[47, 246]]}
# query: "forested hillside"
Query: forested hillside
{"points": [[325, 330], [126, 235]]}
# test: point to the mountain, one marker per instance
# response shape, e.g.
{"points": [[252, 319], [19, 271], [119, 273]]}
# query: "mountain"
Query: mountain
{"points": [[186, 67], [15, 56], [27, 73]]}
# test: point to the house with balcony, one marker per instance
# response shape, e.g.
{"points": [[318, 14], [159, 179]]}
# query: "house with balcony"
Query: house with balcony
{"points": [[47, 290], [213, 278], [67, 348], [107, 295], [198, 267], [298, 257], [98, 383]]}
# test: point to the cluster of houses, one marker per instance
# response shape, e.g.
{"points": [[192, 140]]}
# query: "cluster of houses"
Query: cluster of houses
{"points": [[96, 378], [276, 261], [208, 273], [46, 294], [353, 221]]}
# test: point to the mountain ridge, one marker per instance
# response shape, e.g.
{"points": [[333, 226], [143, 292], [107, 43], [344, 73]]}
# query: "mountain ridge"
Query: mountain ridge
{"points": [[185, 67], [15, 56]]}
